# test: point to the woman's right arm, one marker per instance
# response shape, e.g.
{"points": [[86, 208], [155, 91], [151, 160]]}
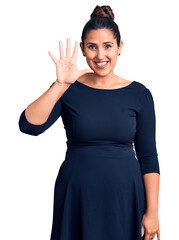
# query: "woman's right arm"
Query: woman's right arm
{"points": [[44, 111]]}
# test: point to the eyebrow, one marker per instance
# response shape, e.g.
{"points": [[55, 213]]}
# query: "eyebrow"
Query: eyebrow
{"points": [[95, 43]]}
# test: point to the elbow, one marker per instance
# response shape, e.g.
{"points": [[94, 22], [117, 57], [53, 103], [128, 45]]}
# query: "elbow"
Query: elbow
{"points": [[29, 128], [28, 131]]}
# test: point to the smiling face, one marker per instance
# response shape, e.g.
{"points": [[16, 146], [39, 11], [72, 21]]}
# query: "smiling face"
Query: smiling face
{"points": [[101, 51]]}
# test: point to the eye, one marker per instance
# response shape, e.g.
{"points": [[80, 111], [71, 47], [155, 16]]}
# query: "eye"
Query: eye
{"points": [[91, 46]]}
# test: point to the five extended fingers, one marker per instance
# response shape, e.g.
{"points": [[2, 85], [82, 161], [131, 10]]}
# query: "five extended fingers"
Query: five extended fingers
{"points": [[68, 51]]}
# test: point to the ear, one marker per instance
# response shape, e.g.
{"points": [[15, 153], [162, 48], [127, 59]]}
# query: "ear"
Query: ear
{"points": [[81, 46], [120, 47]]}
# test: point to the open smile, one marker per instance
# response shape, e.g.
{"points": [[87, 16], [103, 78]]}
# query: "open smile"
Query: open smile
{"points": [[101, 64]]}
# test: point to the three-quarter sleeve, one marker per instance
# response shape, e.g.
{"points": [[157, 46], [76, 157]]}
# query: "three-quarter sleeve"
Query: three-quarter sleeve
{"points": [[32, 129], [145, 138]]}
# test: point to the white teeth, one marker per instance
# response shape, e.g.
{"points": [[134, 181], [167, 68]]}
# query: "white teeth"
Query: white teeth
{"points": [[101, 64]]}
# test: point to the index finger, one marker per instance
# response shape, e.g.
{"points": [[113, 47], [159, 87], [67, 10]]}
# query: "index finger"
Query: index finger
{"points": [[75, 51]]}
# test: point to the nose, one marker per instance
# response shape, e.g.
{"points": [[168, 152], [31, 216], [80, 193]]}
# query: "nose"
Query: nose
{"points": [[100, 53]]}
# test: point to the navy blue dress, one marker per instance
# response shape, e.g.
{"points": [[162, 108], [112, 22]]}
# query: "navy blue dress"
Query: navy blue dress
{"points": [[99, 193]]}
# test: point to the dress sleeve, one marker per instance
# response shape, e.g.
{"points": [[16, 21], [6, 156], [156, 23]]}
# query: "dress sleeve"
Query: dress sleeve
{"points": [[35, 130], [145, 139]]}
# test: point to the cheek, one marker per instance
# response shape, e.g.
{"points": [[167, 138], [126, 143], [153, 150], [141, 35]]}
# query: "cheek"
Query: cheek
{"points": [[113, 60], [112, 55], [89, 60], [90, 55]]}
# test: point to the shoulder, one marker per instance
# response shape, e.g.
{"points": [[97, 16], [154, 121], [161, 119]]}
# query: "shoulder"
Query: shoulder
{"points": [[145, 96], [143, 92], [142, 89], [140, 86]]}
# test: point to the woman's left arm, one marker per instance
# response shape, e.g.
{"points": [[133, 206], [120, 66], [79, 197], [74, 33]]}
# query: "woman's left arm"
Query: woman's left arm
{"points": [[151, 182], [146, 152], [150, 222]]}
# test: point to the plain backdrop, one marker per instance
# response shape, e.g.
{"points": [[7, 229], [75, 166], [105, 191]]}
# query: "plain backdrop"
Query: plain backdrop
{"points": [[29, 164]]}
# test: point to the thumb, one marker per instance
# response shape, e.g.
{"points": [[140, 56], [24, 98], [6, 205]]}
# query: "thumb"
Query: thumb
{"points": [[84, 71], [142, 231]]}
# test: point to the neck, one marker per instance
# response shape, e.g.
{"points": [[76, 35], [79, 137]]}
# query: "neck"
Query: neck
{"points": [[99, 80]]}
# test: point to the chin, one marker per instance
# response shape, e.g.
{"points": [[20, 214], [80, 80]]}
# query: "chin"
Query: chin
{"points": [[101, 74]]}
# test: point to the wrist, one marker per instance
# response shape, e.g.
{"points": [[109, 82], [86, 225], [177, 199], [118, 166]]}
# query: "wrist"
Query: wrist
{"points": [[62, 83], [152, 210], [59, 84]]}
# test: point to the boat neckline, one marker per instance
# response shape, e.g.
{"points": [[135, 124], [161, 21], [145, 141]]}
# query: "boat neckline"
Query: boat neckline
{"points": [[103, 89]]}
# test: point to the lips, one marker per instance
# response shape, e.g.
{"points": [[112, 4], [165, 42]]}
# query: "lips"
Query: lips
{"points": [[101, 64]]}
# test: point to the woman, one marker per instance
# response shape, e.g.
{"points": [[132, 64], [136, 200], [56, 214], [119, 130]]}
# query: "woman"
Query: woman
{"points": [[102, 190]]}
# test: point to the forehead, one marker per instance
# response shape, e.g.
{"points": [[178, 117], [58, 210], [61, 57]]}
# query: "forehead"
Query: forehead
{"points": [[100, 35]]}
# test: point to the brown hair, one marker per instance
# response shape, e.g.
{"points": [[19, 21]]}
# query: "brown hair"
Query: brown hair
{"points": [[101, 17], [103, 11]]}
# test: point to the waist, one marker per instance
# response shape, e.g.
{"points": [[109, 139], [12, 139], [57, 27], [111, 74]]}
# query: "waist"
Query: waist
{"points": [[116, 149]]}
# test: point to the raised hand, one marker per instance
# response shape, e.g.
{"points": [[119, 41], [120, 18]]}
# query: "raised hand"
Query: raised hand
{"points": [[66, 68]]}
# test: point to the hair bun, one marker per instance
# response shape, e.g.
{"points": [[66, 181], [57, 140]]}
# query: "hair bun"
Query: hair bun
{"points": [[103, 11]]}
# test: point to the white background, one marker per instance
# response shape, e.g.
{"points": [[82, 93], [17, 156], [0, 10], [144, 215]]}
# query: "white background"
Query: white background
{"points": [[29, 164]]}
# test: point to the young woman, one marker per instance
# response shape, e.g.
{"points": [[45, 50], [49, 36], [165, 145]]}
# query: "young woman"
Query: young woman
{"points": [[107, 186]]}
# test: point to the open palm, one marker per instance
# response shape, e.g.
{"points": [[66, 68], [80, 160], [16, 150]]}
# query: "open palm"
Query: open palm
{"points": [[66, 69]]}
